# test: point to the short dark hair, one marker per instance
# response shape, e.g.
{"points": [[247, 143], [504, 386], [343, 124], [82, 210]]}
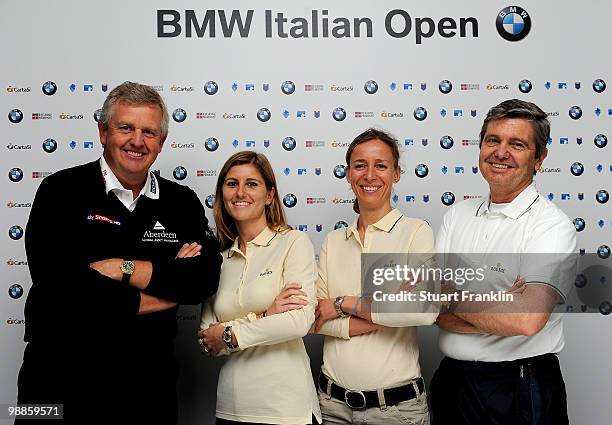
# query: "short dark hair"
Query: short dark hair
{"points": [[515, 108]]}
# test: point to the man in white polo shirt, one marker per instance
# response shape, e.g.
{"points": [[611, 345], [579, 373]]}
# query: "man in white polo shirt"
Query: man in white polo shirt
{"points": [[502, 368]]}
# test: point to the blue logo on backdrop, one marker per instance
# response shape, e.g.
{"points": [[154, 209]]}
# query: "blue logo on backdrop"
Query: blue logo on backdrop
{"points": [[602, 196], [15, 175], [264, 115], [290, 200], [211, 144], [341, 224], [446, 142], [525, 86], [339, 114], [15, 232], [209, 201], [49, 145], [575, 112], [420, 113], [370, 87], [15, 291], [339, 171], [49, 88], [179, 115], [15, 116], [97, 114], [289, 143], [577, 169], [603, 252], [513, 23], [448, 198], [180, 173], [600, 141], [421, 170], [288, 87], [579, 224], [211, 87], [445, 86], [599, 85]]}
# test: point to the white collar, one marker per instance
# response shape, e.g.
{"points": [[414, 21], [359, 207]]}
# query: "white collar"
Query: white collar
{"points": [[150, 188]]}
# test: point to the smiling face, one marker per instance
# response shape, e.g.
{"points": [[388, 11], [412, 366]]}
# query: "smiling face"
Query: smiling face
{"points": [[371, 174], [245, 195], [132, 142], [507, 157]]}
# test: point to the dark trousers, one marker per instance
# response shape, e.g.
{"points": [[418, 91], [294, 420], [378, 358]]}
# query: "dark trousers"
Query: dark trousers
{"points": [[522, 392]]}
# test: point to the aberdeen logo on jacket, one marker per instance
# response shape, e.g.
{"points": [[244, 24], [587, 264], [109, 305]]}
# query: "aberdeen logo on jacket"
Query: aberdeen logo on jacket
{"points": [[159, 234]]}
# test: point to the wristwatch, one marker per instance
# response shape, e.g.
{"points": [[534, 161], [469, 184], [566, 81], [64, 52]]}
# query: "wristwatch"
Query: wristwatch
{"points": [[338, 306], [227, 338], [127, 268]]}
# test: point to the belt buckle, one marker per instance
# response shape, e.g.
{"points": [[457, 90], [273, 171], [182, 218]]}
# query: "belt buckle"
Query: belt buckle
{"points": [[347, 393]]}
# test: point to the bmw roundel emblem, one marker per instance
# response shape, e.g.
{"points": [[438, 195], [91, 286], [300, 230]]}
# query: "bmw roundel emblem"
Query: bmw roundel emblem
{"points": [[580, 281], [288, 87], [525, 86], [211, 144], [599, 85], [97, 114], [15, 116], [446, 142], [210, 201], [577, 169], [180, 173], [513, 23], [421, 170], [602, 196], [605, 308], [15, 232], [601, 140], [264, 115], [49, 145], [179, 115], [448, 198], [340, 225], [15, 174], [445, 86], [579, 224], [15, 291], [211, 87], [420, 113], [290, 200], [339, 171], [370, 87], [575, 112], [603, 252], [289, 143], [339, 114], [49, 88]]}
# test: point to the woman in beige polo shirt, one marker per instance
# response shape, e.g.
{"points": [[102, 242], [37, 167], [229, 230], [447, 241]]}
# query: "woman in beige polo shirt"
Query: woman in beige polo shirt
{"points": [[370, 371], [265, 302]]}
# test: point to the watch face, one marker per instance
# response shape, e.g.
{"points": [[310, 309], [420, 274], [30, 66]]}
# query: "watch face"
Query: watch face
{"points": [[127, 267]]}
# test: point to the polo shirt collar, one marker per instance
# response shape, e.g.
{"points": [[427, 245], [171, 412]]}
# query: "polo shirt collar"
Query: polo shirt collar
{"points": [[150, 189], [386, 224], [519, 205], [263, 239]]}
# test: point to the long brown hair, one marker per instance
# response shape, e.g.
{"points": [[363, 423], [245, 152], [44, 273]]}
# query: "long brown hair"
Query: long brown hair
{"points": [[275, 215]]}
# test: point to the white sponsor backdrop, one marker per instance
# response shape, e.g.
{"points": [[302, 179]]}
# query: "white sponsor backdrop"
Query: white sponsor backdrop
{"points": [[81, 44]]}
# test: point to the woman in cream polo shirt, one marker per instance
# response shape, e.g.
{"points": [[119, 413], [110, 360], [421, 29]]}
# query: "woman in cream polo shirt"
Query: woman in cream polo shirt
{"points": [[265, 302], [370, 371]]}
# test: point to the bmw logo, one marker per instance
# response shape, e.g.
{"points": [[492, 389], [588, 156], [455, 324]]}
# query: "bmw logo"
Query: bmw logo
{"points": [[210, 201], [445, 86], [340, 225], [97, 114], [339, 171], [211, 87], [579, 224], [599, 85], [15, 232], [577, 169], [602, 196], [49, 145], [525, 86], [339, 114], [288, 87], [601, 140], [575, 112], [421, 170], [179, 115], [513, 23], [290, 200], [49, 88], [448, 198], [446, 142], [15, 291], [264, 115], [420, 113], [603, 252], [580, 281], [289, 143], [15, 174], [605, 308], [211, 144], [370, 87], [15, 116], [180, 173]]}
